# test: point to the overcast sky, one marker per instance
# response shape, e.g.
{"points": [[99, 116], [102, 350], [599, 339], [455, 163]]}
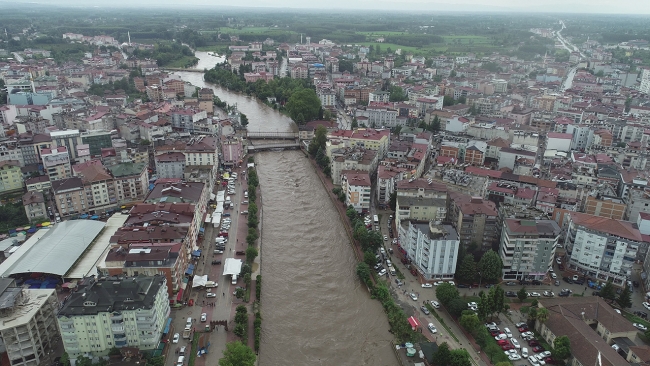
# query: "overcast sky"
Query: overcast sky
{"points": [[568, 6]]}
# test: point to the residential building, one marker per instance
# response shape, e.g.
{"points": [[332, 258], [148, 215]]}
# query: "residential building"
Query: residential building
{"points": [[387, 178], [501, 192], [350, 158], [114, 312], [70, 197], [11, 178], [605, 206], [41, 184], [475, 220], [34, 204], [97, 140], [431, 246], [527, 248], [420, 199], [98, 184], [56, 163], [28, 329], [149, 259], [368, 138], [638, 200], [131, 181], [602, 248], [173, 215], [185, 119], [592, 326], [170, 164], [356, 186], [67, 138], [31, 146]]}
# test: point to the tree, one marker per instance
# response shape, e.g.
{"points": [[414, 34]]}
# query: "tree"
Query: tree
{"points": [[456, 307], [542, 315], [303, 105], [65, 359], [470, 322], [445, 293], [625, 298], [392, 201], [466, 273], [442, 356], [561, 348], [607, 291], [522, 294], [369, 258], [363, 271], [318, 142], [490, 266], [435, 125], [84, 361], [460, 357], [251, 254], [237, 354]]}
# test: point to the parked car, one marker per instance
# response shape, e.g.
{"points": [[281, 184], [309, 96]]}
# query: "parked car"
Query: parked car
{"points": [[210, 295], [176, 338], [414, 297], [549, 293], [646, 305], [427, 285], [216, 262], [425, 310], [538, 349], [460, 285], [435, 304], [511, 294], [432, 328], [515, 343], [526, 333], [640, 326], [204, 317], [511, 283]]}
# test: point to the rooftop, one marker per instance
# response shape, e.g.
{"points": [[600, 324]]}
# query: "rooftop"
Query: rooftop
{"points": [[189, 192], [614, 227], [127, 169]]}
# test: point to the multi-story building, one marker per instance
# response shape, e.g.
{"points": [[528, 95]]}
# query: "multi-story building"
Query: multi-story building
{"points": [[34, 203], [56, 163], [509, 193], [11, 178], [592, 326], [475, 220], [131, 181], [638, 200], [97, 140], [605, 206], [28, 329], [9, 151], [356, 186], [387, 178], [170, 165], [114, 312], [69, 139], [184, 119], [420, 199], [98, 185], [602, 248], [368, 138], [31, 146], [69, 196], [432, 247], [527, 248], [345, 158], [41, 183]]}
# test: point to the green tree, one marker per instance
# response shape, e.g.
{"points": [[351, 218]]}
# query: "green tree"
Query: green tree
{"points": [[446, 292], [484, 306], [542, 315], [237, 354], [442, 356], [470, 322], [499, 299], [369, 258], [456, 306], [303, 105], [156, 361], [561, 348], [84, 361], [624, 300], [363, 271], [466, 273], [608, 292], [239, 293], [318, 142], [251, 254], [490, 266], [522, 294], [65, 359], [392, 201], [460, 357], [252, 235], [435, 125], [397, 94]]}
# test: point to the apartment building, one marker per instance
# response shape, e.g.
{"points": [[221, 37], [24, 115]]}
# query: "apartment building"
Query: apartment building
{"points": [[605, 206], [31, 146], [602, 248], [527, 248], [56, 163], [40, 183], [97, 140], [356, 186], [368, 138], [28, 328], [350, 158], [68, 139], [638, 200], [181, 215], [511, 194], [387, 178], [34, 204], [185, 119], [114, 312], [170, 165], [420, 199], [98, 184], [475, 220], [431, 246], [11, 177]]}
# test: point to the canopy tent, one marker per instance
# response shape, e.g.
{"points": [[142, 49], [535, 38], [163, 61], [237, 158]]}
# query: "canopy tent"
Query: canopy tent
{"points": [[212, 196], [190, 269], [196, 253], [208, 219], [414, 323], [221, 196], [232, 266], [199, 281]]}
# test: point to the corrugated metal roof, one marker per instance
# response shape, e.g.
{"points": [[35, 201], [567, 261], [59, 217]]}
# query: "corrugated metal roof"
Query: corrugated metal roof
{"points": [[56, 251]]}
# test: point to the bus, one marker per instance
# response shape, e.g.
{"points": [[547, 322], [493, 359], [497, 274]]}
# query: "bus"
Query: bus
{"points": [[375, 218]]}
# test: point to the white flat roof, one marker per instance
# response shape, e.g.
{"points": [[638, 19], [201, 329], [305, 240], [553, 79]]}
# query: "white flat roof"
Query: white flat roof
{"points": [[55, 250], [232, 266], [63, 133], [87, 265]]}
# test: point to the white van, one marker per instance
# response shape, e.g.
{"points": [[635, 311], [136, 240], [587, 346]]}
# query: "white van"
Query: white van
{"points": [[180, 361], [182, 351], [219, 240], [234, 279], [188, 324]]}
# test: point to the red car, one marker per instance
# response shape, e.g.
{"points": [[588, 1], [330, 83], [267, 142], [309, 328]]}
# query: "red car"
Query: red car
{"points": [[224, 234], [533, 342], [549, 360], [538, 349], [502, 342], [507, 346], [522, 329]]}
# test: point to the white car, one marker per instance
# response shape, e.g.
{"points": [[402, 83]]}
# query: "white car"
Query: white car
{"points": [[472, 305], [210, 295], [204, 317], [435, 304], [514, 357], [515, 343], [640, 326], [432, 328], [524, 352], [385, 237], [553, 275], [176, 338], [533, 360], [545, 354], [507, 332], [540, 359], [414, 297], [438, 283], [382, 250], [427, 285], [558, 260], [451, 283], [526, 334], [646, 305], [395, 241], [534, 294], [382, 272], [500, 337]]}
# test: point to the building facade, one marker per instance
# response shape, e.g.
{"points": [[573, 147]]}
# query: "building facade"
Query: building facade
{"points": [[431, 246], [527, 248]]}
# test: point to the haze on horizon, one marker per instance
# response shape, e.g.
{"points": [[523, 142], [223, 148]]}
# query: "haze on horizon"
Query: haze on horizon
{"points": [[635, 7]]}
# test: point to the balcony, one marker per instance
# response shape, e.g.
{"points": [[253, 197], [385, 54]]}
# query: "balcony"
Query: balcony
{"points": [[117, 328]]}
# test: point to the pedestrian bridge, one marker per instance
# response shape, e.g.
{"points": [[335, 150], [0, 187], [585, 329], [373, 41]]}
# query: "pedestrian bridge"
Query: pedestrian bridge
{"points": [[260, 135], [274, 146]]}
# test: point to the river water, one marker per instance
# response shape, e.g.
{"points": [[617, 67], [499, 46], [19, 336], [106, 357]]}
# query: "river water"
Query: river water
{"points": [[315, 310]]}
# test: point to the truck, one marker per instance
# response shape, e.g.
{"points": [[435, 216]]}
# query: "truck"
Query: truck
{"points": [[186, 332]]}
